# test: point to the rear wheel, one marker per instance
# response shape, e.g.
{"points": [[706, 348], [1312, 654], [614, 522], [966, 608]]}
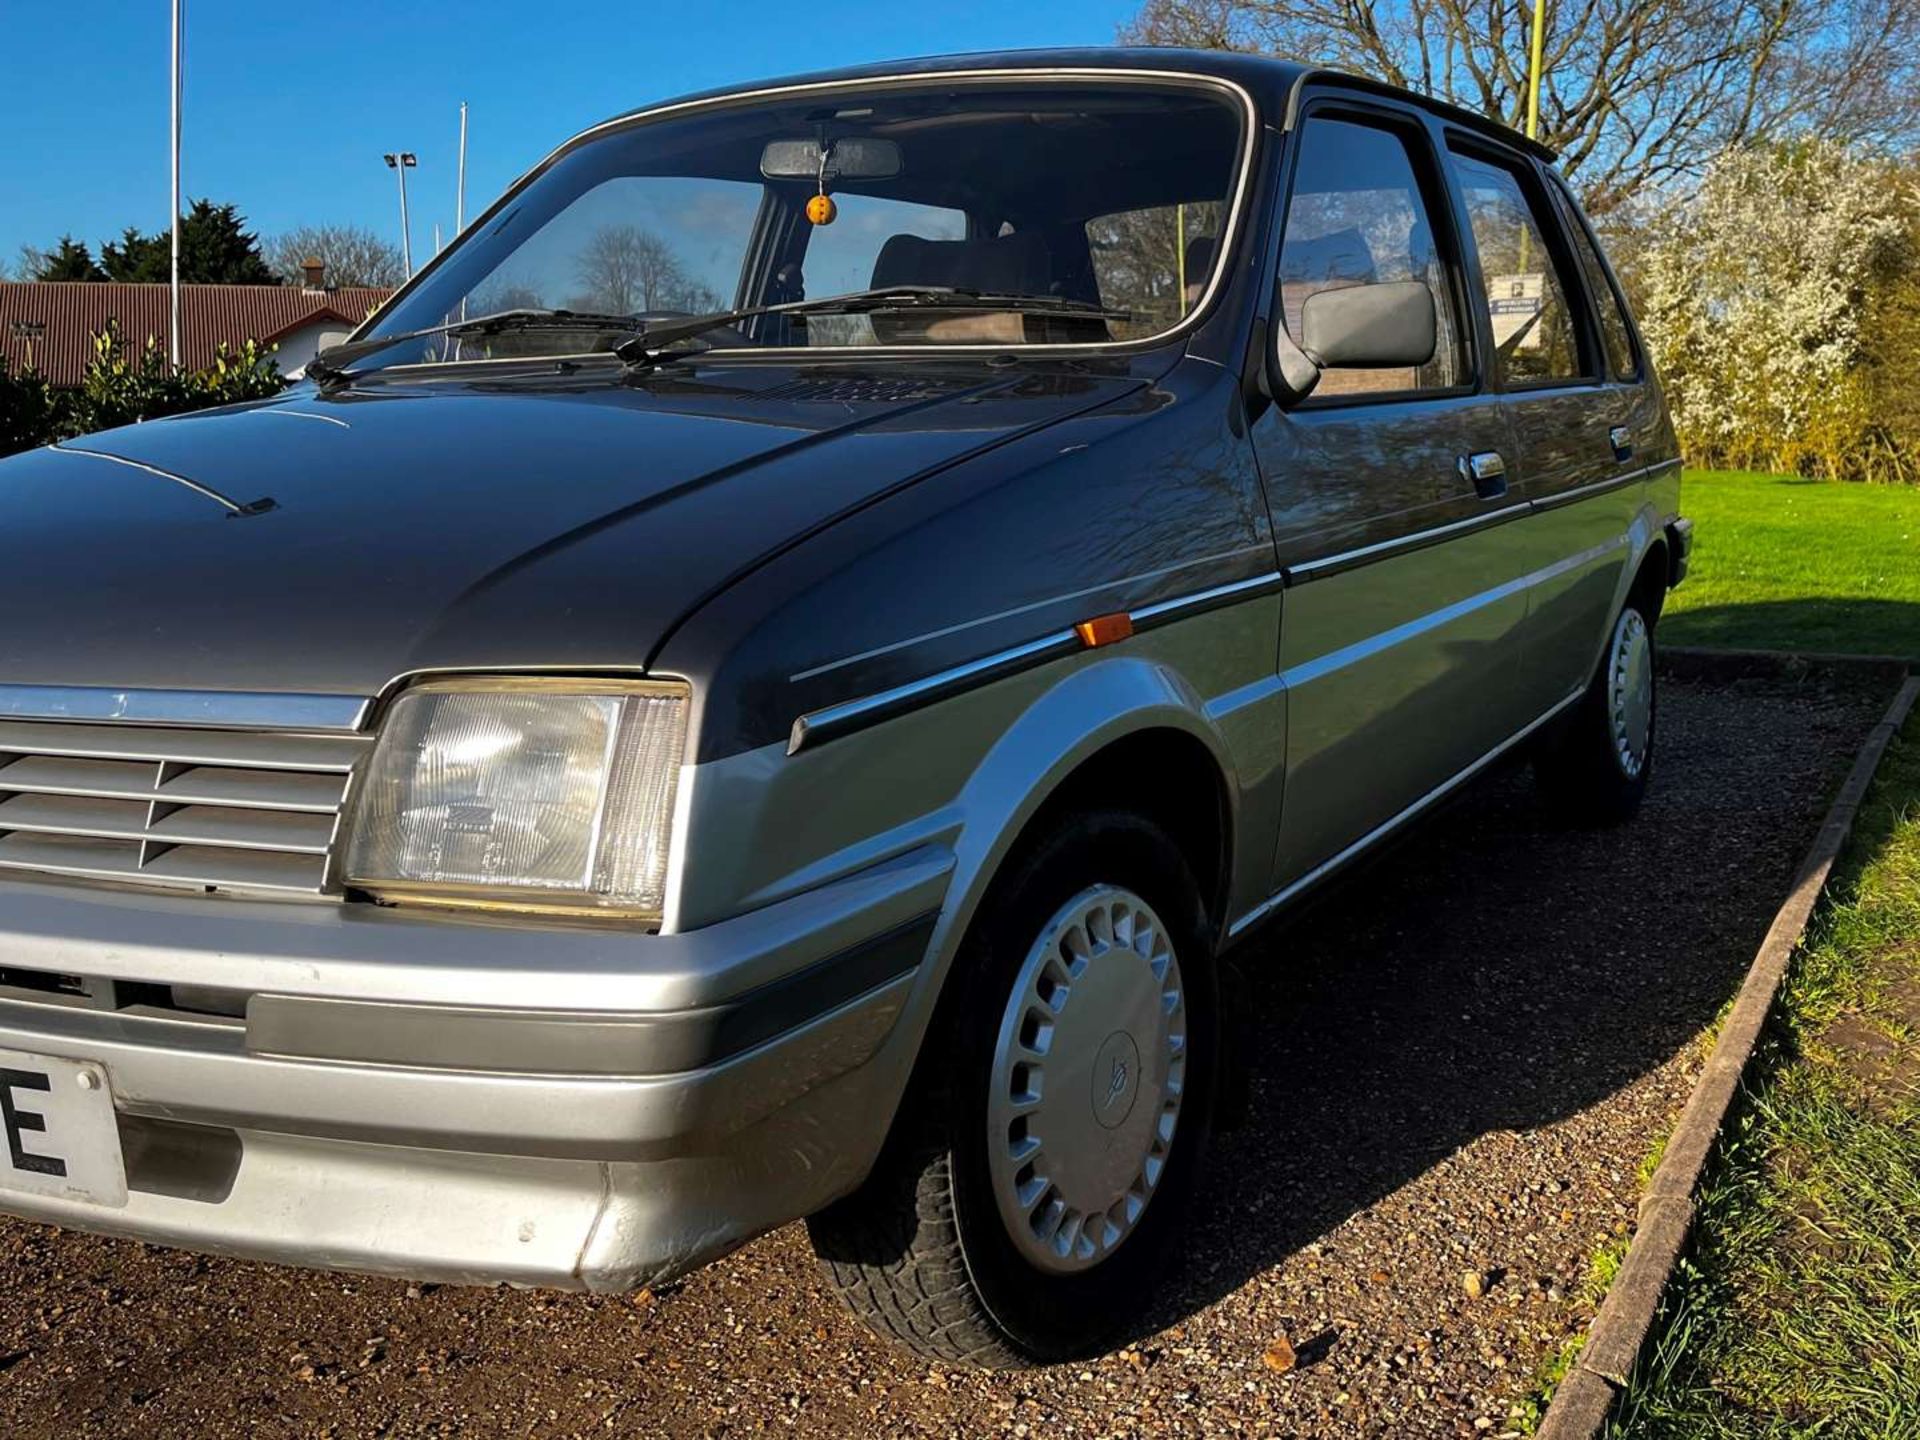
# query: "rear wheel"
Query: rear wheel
{"points": [[1036, 1176], [1595, 769]]}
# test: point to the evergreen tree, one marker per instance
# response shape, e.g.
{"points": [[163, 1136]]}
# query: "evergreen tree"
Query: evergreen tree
{"points": [[215, 249], [69, 261]]}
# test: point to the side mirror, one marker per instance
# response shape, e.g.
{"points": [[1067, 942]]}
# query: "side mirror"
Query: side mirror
{"points": [[1370, 326]]}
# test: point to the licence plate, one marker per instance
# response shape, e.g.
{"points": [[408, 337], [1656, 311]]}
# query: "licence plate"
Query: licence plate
{"points": [[61, 1137]]}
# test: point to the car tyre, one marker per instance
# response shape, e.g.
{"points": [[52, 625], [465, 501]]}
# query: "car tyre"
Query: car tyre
{"points": [[1594, 770], [955, 1246]]}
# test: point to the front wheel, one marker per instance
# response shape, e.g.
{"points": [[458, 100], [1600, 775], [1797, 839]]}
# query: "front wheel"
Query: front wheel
{"points": [[1047, 1148], [1594, 770]]}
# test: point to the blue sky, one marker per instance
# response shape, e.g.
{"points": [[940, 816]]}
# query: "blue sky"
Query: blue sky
{"points": [[290, 105]]}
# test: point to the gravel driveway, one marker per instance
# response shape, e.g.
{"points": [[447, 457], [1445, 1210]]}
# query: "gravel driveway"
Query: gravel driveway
{"points": [[1466, 1050]]}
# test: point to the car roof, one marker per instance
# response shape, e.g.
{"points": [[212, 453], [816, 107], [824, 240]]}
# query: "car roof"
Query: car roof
{"points": [[1275, 84]]}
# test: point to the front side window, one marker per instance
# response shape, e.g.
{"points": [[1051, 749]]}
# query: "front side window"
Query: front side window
{"points": [[1357, 216], [1534, 340], [1011, 212]]}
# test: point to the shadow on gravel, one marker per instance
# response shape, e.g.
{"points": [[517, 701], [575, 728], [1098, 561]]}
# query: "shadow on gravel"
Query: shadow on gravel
{"points": [[1493, 971]]}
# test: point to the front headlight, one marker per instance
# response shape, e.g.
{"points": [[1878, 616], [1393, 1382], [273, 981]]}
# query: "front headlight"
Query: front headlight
{"points": [[530, 794]]}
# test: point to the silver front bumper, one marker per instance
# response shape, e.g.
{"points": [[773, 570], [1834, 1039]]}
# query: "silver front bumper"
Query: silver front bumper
{"points": [[567, 1106]]}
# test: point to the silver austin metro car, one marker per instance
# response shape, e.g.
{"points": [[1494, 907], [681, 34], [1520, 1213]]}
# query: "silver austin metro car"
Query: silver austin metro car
{"points": [[776, 677]]}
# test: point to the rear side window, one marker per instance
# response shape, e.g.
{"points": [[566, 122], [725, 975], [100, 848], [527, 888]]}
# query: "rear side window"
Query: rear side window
{"points": [[1357, 216], [1614, 333], [1534, 339]]}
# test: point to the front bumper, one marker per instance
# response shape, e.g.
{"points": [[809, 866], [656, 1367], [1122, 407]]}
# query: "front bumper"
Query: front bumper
{"points": [[457, 1100]]}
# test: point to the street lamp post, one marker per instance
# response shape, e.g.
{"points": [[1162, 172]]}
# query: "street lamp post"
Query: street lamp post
{"points": [[400, 163]]}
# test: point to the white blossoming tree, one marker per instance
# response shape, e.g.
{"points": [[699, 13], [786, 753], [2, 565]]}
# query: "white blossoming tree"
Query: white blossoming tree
{"points": [[1758, 294]]}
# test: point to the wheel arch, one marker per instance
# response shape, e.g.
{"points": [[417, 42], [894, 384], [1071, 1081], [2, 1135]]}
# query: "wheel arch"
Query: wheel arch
{"points": [[1651, 579], [1129, 728], [1168, 776], [1643, 576]]}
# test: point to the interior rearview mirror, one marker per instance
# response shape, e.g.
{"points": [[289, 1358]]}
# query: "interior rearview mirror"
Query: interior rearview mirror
{"points": [[851, 157]]}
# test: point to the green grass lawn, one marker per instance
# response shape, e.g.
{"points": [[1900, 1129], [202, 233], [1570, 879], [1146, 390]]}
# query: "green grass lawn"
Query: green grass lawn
{"points": [[1787, 564], [1797, 1310]]}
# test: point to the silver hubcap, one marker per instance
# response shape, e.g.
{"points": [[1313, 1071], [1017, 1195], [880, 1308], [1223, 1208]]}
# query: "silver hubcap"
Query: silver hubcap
{"points": [[1088, 1074], [1630, 692]]}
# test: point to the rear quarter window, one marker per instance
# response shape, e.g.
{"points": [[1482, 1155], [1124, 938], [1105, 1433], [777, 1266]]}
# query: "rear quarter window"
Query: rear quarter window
{"points": [[1535, 338], [1623, 361]]}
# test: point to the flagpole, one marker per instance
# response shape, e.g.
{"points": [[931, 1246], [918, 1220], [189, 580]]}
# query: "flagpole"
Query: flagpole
{"points": [[1533, 69], [173, 271], [460, 192], [460, 202]]}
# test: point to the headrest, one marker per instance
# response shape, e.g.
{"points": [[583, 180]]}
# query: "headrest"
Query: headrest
{"points": [[1341, 255], [1200, 258], [1017, 264]]}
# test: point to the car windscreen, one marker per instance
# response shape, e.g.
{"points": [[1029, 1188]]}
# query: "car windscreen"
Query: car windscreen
{"points": [[1102, 203]]}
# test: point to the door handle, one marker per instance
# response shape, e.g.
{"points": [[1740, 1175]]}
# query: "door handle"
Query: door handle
{"points": [[1621, 438], [1486, 470]]}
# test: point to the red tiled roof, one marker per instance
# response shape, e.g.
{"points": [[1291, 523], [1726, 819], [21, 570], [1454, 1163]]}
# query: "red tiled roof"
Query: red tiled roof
{"points": [[72, 311]]}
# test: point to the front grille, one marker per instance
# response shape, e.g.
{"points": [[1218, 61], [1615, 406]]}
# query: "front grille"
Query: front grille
{"points": [[246, 812]]}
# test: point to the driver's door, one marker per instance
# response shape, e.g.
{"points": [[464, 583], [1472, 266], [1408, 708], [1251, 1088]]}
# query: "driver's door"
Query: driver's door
{"points": [[1400, 631]]}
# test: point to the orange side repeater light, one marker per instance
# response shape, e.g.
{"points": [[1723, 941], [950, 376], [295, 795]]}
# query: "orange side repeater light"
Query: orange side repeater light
{"points": [[1104, 629]]}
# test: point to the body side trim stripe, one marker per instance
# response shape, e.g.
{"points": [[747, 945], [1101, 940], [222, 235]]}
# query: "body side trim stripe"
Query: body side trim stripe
{"points": [[1079, 594], [1393, 823], [1321, 665], [843, 719], [1401, 544], [836, 720], [1325, 565], [823, 725], [1598, 487], [1164, 612]]}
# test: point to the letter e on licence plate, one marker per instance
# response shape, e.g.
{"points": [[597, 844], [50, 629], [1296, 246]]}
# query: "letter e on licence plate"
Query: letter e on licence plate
{"points": [[60, 1136]]}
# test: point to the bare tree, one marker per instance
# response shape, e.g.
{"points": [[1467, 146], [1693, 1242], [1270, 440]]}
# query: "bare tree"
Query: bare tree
{"points": [[505, 294], [1636, 92], [31, 262], [628, 270], [1138, 258], [353, 255]]}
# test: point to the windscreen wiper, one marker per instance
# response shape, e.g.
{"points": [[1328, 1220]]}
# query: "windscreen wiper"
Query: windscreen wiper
{"points": [[646, 340], [649, 345], [327, 366]]}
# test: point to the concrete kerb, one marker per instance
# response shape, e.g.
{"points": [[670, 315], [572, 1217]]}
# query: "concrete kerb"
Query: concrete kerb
{"points": [[1584, 1399]]}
